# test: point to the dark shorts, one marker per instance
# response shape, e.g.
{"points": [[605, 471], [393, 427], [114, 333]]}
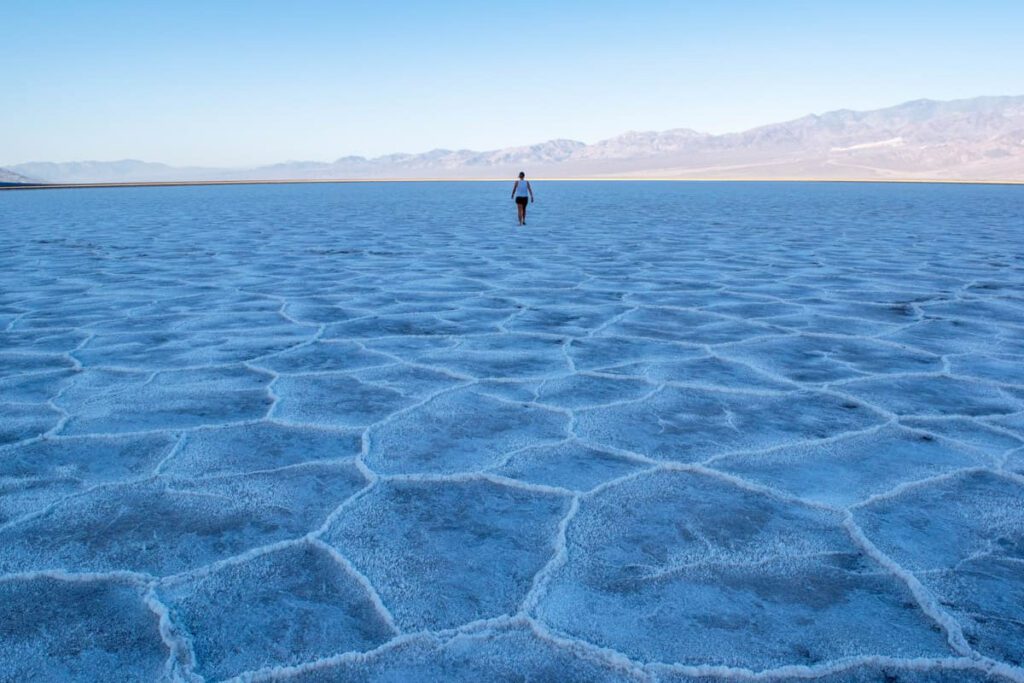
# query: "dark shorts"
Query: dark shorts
{"points": [[522, 201]]}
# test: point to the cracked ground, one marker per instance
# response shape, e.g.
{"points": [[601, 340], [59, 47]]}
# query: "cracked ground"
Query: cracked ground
{"points": [[666, 431]]}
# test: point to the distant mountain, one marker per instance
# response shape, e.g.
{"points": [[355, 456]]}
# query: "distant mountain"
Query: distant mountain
{"points": [[112, 171], [981, 139], [974, 139], [8, 177]]}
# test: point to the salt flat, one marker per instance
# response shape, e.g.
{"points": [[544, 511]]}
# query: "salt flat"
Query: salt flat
{"points": [[666, 431]]}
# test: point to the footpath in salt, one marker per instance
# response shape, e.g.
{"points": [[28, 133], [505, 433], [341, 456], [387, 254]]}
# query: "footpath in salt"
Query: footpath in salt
{"points": [[666, 432]]}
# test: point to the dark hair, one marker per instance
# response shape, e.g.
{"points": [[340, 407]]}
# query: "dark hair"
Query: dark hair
{"points": [[522, 175]]}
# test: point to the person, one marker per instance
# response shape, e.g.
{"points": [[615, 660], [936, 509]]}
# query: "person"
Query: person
{"points": [[522, 193]]}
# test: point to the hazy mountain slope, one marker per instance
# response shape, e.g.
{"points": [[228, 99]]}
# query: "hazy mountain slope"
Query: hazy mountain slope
{"points": [[975, 139], [113, 171], [8, 176]]}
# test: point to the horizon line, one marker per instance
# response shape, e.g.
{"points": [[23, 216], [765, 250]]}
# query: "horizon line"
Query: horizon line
{"points": [[313, 181]]}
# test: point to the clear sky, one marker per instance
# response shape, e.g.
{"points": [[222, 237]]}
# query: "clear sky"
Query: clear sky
{"points": [[224, 82]]}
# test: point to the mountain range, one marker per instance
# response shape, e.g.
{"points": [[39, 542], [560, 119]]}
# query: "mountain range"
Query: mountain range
{"points": [[972, 139]]}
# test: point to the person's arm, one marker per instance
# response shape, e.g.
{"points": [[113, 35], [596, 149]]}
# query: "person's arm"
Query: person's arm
{"points": [[529, 188], [514, 189]]}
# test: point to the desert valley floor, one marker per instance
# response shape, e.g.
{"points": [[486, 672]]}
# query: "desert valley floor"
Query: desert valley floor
{"points": [[666, 431]]}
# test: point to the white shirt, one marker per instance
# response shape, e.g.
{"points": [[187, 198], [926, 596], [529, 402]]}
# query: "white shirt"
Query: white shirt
{"points": [[522, 189]]}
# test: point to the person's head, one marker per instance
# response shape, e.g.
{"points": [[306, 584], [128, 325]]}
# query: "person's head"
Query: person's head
{"points": [[521, 175]]}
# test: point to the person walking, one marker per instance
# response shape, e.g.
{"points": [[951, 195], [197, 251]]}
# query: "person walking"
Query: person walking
{"points": [[522, 193]]}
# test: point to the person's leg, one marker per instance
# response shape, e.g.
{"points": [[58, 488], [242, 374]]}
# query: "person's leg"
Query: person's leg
{"points": [[524, 213], [521, 212]]}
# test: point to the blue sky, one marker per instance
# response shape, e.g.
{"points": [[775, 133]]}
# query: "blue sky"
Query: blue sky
{"points": [[240, 83]]}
